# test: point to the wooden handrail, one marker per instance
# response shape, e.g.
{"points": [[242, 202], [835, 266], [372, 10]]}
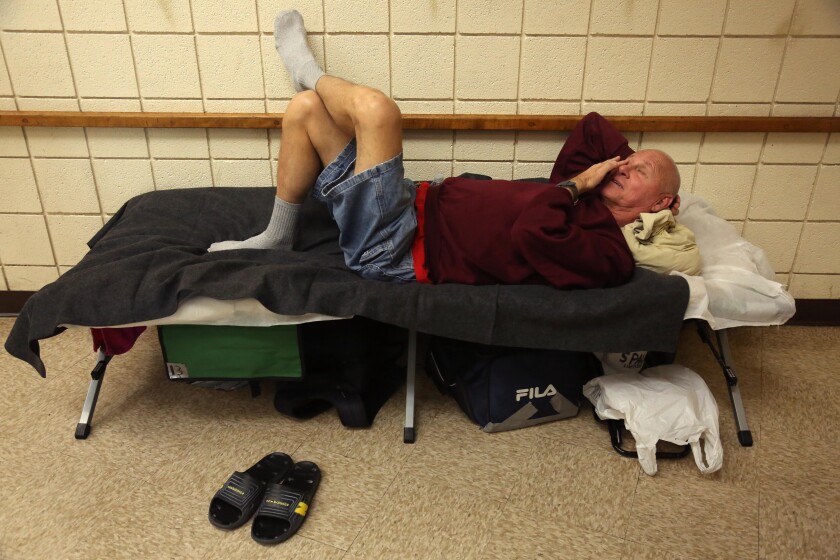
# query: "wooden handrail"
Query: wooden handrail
{"points": [[424, 122]]}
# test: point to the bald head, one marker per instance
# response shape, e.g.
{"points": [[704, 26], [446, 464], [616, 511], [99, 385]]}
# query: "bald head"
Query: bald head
{"points": [[667, 173]]}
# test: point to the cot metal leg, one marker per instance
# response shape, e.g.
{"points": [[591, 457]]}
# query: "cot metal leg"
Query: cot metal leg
{"points": [[408, 432], [83, 427], [724, 359]]}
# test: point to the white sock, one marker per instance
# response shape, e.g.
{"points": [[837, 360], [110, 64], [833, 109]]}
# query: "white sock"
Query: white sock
{"points": [[290, 41], [280, 233]]}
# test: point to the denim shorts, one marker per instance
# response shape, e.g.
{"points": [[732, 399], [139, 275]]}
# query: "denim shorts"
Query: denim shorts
{"points": [[375, 214]]}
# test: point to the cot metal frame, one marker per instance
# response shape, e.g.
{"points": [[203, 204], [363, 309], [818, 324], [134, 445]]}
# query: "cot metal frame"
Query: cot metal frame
{"points": [[721, 352]]}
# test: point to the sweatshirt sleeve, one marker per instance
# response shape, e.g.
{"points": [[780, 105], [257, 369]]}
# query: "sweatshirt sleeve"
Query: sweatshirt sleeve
{"points": [[589, 252]]}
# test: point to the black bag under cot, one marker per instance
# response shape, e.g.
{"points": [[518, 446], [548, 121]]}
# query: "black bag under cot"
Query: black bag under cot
{"points": [[504, 388], [349, 364]]}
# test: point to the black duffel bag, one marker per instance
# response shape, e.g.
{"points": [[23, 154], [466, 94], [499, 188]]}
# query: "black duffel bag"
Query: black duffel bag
{"points": [[503, 388]]}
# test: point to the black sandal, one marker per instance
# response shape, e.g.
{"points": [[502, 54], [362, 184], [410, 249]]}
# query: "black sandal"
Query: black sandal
{"points": [[238, 499], [285, 504]]}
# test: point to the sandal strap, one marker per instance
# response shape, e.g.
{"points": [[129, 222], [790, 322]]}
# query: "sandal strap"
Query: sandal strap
{"points": [[240, 490], [283, 503]]}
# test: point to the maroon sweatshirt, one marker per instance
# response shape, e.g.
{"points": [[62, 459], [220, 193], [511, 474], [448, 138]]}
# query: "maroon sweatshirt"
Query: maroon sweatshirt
{"points": [[506, 232]]}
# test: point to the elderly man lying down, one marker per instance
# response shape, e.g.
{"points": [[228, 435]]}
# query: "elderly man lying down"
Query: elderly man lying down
{"points": [[342, 143]]}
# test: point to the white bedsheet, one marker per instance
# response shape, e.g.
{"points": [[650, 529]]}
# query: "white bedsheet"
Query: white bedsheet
{"points": [[735, 287]]}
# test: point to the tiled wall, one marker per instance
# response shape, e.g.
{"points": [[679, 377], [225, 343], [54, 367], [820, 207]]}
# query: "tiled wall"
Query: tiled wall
{"points": [[628, 57]]}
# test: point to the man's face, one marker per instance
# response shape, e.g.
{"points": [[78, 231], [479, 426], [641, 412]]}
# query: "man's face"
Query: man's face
{"points": [[638, 184]]}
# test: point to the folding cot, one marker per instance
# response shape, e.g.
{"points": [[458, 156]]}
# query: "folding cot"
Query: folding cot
{"points": [[149, 265]]}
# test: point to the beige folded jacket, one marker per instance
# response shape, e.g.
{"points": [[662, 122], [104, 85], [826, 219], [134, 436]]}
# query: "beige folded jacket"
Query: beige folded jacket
{"points": [[660, 244]]}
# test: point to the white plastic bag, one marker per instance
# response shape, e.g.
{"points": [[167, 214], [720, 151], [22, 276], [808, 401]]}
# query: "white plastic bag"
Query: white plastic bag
{"points": [[670, 403]]}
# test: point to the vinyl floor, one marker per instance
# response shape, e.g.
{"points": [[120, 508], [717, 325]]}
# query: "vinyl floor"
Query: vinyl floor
{"points": [[140, 485]]}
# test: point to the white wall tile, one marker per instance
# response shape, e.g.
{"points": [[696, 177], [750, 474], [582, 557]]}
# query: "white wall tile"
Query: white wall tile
{"points": [[182, 173], [119, 180], [759, 17], [689, 17], [277, 80], [532, 170], [234, 143], [539, 146], [552, 67], [356, 15], [102, 65], [70, 235], [56, 142], [739, 109], [815, 286], [172, 16], [485, 107], [166, 65], [782, 192], [426, 16], [560, 17], [311, 10], [227, 16], [731, 147], [489, 16], [85, 15], [178, 143], [681, 146], [428, 144], [422, 55], [802, 110], [8, 104], [671, 79], [617, 68], [117, 142], [612, 108], [726, 187], [623, 17], [493, 169], [38, 64], [794, 147], [549, 108], [173, 105], [66, 185], [427, 170], [805, 76], [230, 66], [12, 143], [242, 173], [30, 278], [476, 145], [362, 59], [478, 76], [5, 82], [18, 192], [675, 109], [32, 15], [816, 17], [832, 150], [111, 105], [425, 107], [47, 104], [687, 173], [818, 252], [24, 240], [3, 285], [826, 202], [234, 105], [747, 69], [778, 240]]}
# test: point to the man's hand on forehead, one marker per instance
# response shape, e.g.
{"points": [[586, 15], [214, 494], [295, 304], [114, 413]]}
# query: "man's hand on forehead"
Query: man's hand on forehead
{"points": [[593, 176]]}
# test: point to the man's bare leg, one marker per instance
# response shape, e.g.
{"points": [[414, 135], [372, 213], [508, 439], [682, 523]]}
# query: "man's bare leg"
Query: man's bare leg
{"points": [[316, 127]]}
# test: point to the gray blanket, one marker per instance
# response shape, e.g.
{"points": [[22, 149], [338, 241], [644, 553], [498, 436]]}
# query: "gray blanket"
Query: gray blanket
{"points": [[152, 255]]}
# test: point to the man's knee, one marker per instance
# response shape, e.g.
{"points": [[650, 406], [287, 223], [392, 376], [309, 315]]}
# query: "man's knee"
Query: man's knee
{"points": [[374, 109], [302, 106]]}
